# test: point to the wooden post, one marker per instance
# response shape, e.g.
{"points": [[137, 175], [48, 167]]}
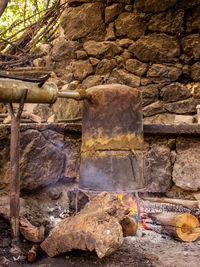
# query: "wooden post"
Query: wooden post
{"points": [[14, 167]]}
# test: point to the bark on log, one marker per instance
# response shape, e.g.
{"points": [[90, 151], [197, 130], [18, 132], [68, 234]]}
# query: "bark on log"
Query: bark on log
{"points": [[29, 231], [190, 204], [129, 225], [96, 228], [184, 227]]}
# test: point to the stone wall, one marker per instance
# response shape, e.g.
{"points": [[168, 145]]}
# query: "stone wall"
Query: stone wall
{"points": [[152, 45]]}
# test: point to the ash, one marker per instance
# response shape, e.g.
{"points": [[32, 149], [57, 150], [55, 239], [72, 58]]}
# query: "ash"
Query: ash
{"points": [[165, 251]]}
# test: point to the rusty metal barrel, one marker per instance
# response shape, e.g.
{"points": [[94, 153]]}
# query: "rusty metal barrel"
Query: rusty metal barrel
{"points": [[112, 140]]}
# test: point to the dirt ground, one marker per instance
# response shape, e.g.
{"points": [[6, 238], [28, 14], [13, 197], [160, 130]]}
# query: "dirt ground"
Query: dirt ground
{"points": [[147, 249]]}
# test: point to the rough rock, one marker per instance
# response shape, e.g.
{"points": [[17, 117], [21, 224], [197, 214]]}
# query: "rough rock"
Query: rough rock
{"points": [[191, 46], [174, 92], [131, 25], [157, 170], [63, 49], [96, 228], [82, 69], [67, 108], [195, 72], [80, 54], [185, 4], [111, 12], [110, 32], [136, 67], [94, 61], [39, 159], [91, 81], [164, 118], [170, 22], [85, 21], [196, 90], [153, 109], [46, 156], [183, 119], [105, 66], [162, 73], [154, 6], [193, 20], [149, 94], [187, 106], [156, 47], [126, 78], [102, 49], [124, 42], [186, 168]]}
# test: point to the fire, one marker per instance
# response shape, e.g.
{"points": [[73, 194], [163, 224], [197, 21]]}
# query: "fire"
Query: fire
{"points": [[128, 201]]}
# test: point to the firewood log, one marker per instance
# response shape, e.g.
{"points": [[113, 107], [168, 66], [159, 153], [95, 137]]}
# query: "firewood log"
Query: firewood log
{"points": [[129, 225], [184, 227], [29, 231], [32, 254], [191, 204]]}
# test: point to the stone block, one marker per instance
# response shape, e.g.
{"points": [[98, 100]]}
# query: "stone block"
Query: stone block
{"points": [[175, 92], [186, 168], [156, 47], [84, 21], [191, 46], [131, 25]]}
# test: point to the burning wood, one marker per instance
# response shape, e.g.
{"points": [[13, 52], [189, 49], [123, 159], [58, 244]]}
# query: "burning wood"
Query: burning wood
{"points": [[184, 227], [190, 204], [32, 254]]}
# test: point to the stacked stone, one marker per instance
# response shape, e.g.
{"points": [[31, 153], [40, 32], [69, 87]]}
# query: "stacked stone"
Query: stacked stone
{"points": [[150, 45]]}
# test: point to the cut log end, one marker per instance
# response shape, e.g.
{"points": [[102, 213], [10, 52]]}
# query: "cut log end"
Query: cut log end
{"points": [[184, 227], [187, 227]]}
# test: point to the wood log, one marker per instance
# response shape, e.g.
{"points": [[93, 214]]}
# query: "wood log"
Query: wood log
{"points": [[129, 225], [32, 254], [25, 115], [184, 227], [29, 231], [191, 204]]}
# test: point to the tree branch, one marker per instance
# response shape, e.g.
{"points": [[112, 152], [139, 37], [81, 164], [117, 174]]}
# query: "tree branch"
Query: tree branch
{"points": [[3, 5]]}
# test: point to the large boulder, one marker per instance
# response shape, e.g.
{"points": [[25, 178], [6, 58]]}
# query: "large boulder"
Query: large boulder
{"points": [[46, 156], [84, 21], [156, 47], [186, 171], [157, 170]]}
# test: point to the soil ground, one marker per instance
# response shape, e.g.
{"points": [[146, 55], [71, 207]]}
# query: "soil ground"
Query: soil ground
{"points": [[147, 249]]}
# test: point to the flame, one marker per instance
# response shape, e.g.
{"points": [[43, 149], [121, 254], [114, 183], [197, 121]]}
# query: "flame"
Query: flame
{"points": [[128, 201]]}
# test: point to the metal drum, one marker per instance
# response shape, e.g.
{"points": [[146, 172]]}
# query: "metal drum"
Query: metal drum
{"points": [[112, 140]]}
